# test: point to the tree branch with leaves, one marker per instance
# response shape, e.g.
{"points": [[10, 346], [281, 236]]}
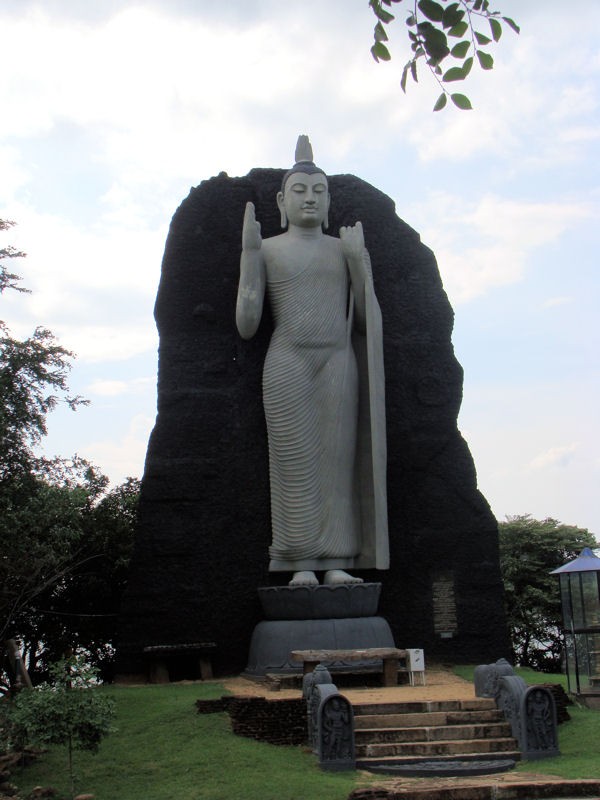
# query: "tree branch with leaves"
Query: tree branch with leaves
{"points": [[437, 31]]}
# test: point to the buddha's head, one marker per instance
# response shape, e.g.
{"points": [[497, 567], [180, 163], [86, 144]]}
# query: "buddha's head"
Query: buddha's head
{"points": [[304, 197]]}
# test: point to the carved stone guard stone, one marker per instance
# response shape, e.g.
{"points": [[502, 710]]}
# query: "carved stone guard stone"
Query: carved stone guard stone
{"points": [[330, 721], [511, 689], [319, 676], [487, 677], [540, 730], [531, 712], [335, 732]]}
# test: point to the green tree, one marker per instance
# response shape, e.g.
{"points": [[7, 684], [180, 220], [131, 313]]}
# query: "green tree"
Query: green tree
{"points": [[33, 380], [529, 550], [64, 538], [70, 710], [66, 546], [80, 609], [40, 529], [34, 545], [448, 37]]}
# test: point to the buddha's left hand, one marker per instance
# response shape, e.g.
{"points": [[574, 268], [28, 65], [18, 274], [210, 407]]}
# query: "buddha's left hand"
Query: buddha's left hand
{"points": [[353, 241]]}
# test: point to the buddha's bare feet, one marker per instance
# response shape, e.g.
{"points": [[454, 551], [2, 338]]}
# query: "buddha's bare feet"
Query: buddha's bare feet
{"points": [[304, 578], [334, 577]]}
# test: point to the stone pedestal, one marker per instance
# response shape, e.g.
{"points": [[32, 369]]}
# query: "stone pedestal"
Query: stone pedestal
{"points": [[316, 617]]}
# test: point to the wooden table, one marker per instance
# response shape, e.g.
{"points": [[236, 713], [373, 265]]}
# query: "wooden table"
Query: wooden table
{"points": [[390, 656]]}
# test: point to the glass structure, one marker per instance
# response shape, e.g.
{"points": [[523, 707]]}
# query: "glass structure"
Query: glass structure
{"points": [[580, 596]]}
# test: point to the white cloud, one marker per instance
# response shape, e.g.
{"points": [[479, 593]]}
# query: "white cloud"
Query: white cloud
{"points": [[115, 388], [97, 343], [182, 96], [93, 287], [107, 388], [528, 224], [559, 456], [485, 245], [553, 302], [534, 447], [14, 175], [580, 134], [63, 254]]}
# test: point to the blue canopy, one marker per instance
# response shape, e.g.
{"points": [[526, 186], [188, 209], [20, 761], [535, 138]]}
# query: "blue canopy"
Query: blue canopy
{"points": [[586, 561]]}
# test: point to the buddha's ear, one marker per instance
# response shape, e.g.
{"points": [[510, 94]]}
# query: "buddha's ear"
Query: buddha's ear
{"points": [[326, 220], [281, 207]]}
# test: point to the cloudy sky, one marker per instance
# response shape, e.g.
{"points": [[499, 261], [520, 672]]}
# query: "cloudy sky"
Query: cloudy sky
{"points": [[111, 110]]}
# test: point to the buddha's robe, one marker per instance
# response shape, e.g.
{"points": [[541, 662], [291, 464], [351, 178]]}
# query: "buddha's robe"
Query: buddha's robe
{"points": [[327, 474]]}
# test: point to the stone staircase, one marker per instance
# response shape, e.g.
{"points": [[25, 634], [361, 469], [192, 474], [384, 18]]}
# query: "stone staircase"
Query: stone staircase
{"points": [[397, 735]]}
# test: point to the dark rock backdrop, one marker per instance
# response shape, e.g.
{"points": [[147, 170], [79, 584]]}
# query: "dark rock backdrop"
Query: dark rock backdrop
{"points": [[201, 549]]}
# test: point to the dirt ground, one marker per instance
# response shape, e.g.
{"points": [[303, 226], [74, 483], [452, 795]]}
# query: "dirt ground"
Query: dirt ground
{"points": [[440, 684]]}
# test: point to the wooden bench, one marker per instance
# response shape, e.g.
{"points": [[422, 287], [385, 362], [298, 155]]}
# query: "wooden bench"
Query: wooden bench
{"points": [[390, 656], [160, 654]]}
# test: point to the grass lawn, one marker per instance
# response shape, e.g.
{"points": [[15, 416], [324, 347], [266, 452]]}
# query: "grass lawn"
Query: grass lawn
{"points": [[163, 750]]}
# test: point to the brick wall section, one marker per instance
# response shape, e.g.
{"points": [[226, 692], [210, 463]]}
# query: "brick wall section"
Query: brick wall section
{"points": [[274, 721], [213, 706], [561, 699]]}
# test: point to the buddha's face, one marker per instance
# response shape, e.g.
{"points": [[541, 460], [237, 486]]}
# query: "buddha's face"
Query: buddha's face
{"points": [[305, 199]]}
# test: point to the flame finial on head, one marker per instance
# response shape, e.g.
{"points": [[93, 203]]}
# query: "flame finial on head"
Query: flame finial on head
{"points": [[303, 149]]}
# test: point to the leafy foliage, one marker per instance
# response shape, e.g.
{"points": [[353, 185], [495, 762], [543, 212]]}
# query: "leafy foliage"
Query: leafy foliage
{"points": [[433, 28], [39, 533], [33, 379], [8, 280], [80, 610], [529, 550], [31, 372], [66, 544], [69, 710], [65, 539]]}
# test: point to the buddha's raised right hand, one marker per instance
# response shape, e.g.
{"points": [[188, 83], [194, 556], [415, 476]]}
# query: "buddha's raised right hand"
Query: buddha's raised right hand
{"points": [[251, 238]]}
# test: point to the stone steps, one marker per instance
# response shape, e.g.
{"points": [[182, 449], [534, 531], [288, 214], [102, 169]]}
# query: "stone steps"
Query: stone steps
{"points": [[396, 734], [422, 706], [395, 762], [434, 749], [432, 733], [427, 719]]}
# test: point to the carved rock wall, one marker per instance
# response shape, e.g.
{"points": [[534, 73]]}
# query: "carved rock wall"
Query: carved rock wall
{"points": [[201, 548]]}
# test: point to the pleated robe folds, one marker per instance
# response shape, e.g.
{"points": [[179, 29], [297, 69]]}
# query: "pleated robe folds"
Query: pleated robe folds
{"points": [[323, 393]]}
